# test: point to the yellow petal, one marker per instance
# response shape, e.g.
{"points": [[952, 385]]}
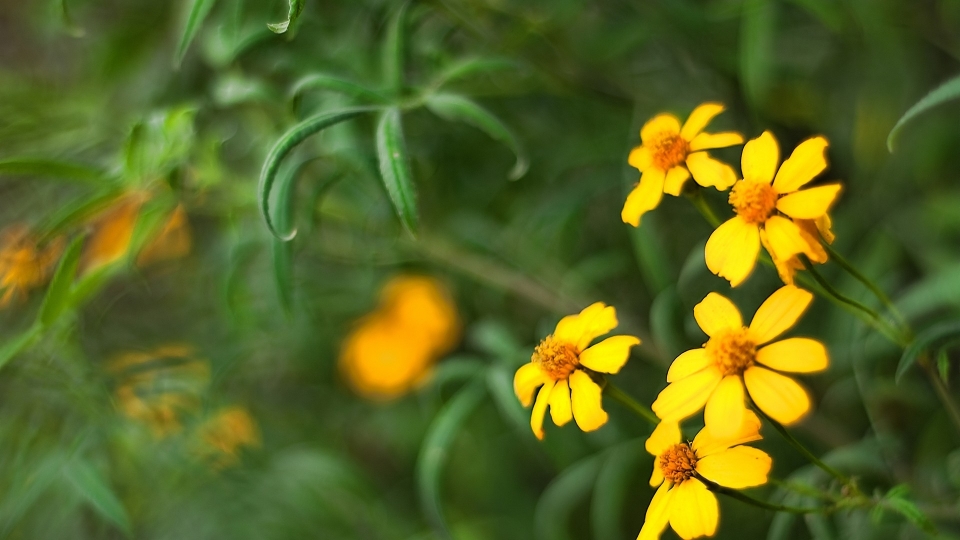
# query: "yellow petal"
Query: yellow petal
{"points": [[809, 203], [676, 177], [609, 355], [706, 141], [526, 380], [732, 250], [706, 444], [716, 313], [560, 409], [760, 158], [656, 477], [658, 513], [779, 313], [785, 238], [825, 226], [579, 330], [540, 408], [587, 407], [738, 467], [687, 364], [796, 355], [725, 410], [699, 118], [811, 235], [779, 396], [686, 396], [658, 126], [645, 197], [694, 510], [665, 435], [806, 162], [786, 269], [709, 172], [640, 157]]}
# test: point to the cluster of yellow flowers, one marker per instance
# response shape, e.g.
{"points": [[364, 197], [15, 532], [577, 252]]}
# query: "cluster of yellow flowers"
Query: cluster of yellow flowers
{"points": [[738, 365]]}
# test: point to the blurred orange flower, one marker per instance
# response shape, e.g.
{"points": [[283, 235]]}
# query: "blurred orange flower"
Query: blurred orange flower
{"points": [[23, 264], [223, 435], [173, 241]]}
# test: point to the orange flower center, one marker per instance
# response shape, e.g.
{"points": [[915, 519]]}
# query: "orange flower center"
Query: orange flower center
{"points": [[669, 150], [556, 358], [732, 351], [678, 463], [753, 201]]}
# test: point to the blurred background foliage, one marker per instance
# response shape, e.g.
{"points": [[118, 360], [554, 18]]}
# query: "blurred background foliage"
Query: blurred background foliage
{"points": [[171, 368]]}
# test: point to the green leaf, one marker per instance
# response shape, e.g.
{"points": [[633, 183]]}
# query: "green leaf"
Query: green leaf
{"points": [[896, 500], [75, 212], [500, 383], [453, 107], [436, 446], [68, 23], [199, 10], [666, 323], [95, 489], [757, 32], [563, 496], [58, 293], [923, 341], [324, 81], [456, 369], [610, 492], [284, 145], [470, 66], [47, 168], [395, 168], [943, 362], [14, 346], [947, 91], [283, 251], [293, 13], [392, 55]]}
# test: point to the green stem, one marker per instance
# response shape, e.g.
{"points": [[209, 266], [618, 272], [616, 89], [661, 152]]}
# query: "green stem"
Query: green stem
{"points": [[701, 204], [635, 406], [743, 497]]}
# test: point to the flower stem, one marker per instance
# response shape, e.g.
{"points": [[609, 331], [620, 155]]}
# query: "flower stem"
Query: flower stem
{"points": [[701, 204], [743, 497], [635, 406]]}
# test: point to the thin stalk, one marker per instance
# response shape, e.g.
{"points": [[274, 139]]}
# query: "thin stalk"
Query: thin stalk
{"points": [[942, 391], [635, 406], [743, 497], [701, 204]]}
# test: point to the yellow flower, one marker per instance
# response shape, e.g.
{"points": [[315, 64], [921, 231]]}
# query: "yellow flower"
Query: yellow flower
{"points": [[670, 153], [559, 366], [23, 264], [682, 499], [768, 202], [112, 232], [735, 355], [393, 349], [172, 241], [224, 434]]}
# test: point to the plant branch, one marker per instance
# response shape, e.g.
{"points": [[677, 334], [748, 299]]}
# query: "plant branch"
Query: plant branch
{"points": [[627, 401]]}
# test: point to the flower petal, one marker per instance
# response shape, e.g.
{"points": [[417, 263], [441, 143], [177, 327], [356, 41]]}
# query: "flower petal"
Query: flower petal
{"points": [[540, 408], [656, 477], [709, 172], [645, 197], [686, 396], [665, 435], [760, 158], [699, 118], [560, 408], [676, 177], [725, 409], [807, 161], [694, 510], [717, 313], [785, 238], [786, 269], [706, 444], [579, 330], [779, 313], [738, 467], [609, 355], [706, 141], [526, 380], [809, 203], [587, 402], [779, 396], [795, 355], [825, 226], [659, 125], [658, 513], [732, 250], [640, 157], [687, 364]]}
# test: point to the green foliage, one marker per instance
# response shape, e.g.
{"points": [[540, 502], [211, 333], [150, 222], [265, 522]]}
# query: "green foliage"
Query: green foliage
{"points": [[395, 168], [944, 93]]}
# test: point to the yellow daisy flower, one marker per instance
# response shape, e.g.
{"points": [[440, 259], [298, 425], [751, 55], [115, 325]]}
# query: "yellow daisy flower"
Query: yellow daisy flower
{"points": [[669, 154], [24, 265], [768, 203], [736, 355], [559, 367], [682, 499]]}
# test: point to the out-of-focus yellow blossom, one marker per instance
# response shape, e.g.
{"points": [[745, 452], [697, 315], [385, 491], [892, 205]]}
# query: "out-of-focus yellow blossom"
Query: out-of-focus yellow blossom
{"points": [[23, 264], [172, 242], [112, 232], [560, 364], [682, 499], [669, 154], [395, 347], [225, 434], [771, 209], [736, 355]]}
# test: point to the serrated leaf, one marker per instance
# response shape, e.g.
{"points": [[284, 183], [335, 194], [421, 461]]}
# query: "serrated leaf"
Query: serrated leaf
{"points": [[947, 91], [325, 81], [392, 54], [283, 146], [395, 168], [199, 9], [563, 496], [470, 66], [14, 346], [454, 107], [923, 341], [757, 33], [294, 9], [48, 168], [58, 293], [436, 446], [96, 491]]}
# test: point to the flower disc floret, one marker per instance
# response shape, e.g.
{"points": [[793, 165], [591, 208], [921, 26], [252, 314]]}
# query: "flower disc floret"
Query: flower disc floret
{"points": [[678, 463], [670, 150], [556, 358], [733, 351], [753, 201]]}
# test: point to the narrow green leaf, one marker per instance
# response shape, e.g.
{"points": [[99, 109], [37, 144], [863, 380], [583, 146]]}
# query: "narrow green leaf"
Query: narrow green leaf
{"points": [[283, 251], [47, 168], [282, 147], [58, 293], [95, 489], [943, 364], [436, 446], [14, 346], [75, 212], [500, 383], [947, 91], [757, 33], [392, 55], [468, 67], [453, 107], [610, 492], [395, 168], [896, 500], [293, 13], [199, 9], [324, 81], [923, 341], [563, 496]]}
